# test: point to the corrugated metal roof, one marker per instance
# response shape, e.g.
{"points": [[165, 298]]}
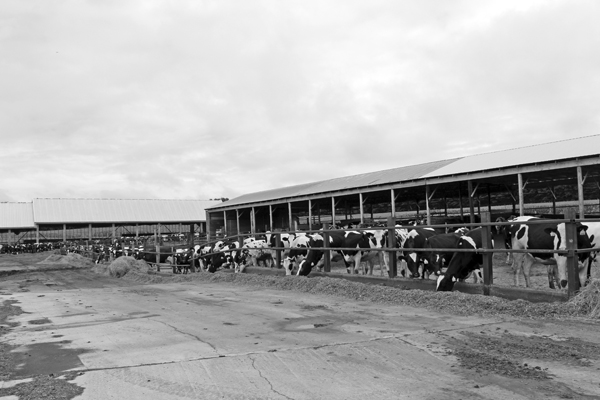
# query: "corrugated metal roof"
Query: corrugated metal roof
{"points": [[543, 153], [47, 211], [16, 215], [348, 182]]}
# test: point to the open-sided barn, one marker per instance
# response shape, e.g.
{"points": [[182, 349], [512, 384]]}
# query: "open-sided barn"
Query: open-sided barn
{"points": [[541, 179]]}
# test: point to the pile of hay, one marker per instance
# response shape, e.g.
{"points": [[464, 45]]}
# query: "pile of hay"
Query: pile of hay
{"points": [[121, 267], [587, 301]]}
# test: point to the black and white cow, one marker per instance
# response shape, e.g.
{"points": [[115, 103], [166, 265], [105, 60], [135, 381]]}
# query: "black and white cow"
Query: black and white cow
{"points": [[298, 250], [226, 255], [545, 236], [415, 239], [462, 264], [440, 259]]}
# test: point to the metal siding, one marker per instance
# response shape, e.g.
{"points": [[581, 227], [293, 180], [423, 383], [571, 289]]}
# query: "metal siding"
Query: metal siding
{"points": [[48, 211], [16, 215]]}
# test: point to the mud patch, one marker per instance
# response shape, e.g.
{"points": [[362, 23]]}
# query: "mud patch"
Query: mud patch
{"points": [[44, 387], [505, 354], [40, 321], [45, 359], [312, 308]]}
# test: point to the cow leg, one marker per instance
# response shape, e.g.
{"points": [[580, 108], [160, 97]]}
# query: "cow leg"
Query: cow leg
{"points": [[552, 277], [516, 266], [528, 262]]}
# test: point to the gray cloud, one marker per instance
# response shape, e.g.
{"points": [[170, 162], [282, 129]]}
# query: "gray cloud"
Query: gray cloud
{"points": [[153, 99]]}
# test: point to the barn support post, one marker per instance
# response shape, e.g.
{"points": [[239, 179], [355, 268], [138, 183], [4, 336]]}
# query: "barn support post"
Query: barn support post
{"points": [[157, 248], [393, 202], [9, 237], [580, 197], [253, 220], [278, 251], [192, 235], [332, 210], [309, 214], [427, 209], [571, 247], [64, 232], [489, 199], [37, 234], [471, 205], [225, 233], [460, 203], [270, 218], [486, 238], [521, 201], [362, 208], [290, 219], [393, 259], [158, 233], [113, 233], [237, 220], [326, 251], [445, 205]]}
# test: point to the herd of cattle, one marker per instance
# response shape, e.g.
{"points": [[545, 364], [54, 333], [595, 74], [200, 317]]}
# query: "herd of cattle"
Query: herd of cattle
{"points": [[423, 251]]}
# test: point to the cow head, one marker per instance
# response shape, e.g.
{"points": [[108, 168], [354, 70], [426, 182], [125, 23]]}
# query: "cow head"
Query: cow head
{"points": [[461, 264], [583, 242]]}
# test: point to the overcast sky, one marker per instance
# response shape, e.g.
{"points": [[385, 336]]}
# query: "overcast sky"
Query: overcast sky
{"points": [[204, 99]]}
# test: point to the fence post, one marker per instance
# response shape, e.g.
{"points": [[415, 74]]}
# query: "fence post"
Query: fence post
{"points": [[393, 258], [326, 252], [278, 251], [157, 257], [486, 239], [571, 246]]}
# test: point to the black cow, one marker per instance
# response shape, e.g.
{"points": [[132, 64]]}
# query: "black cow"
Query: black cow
{"points": [[437, 260], [462, 264]]}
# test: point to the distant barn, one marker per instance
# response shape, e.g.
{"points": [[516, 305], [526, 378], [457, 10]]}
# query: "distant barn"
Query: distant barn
{"points": [[93, 219]]}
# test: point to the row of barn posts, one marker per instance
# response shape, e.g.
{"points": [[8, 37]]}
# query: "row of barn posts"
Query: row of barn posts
{"points": [[430, 190]]}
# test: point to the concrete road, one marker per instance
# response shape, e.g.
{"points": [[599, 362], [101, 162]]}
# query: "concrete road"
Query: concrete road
{"points": [[221, 341]]}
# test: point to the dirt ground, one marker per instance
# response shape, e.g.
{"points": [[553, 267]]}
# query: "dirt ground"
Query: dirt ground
{"points": [[560, 339]]}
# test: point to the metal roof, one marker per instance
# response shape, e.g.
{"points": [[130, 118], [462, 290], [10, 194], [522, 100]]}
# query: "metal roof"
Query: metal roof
{"points": [[16, 216], [543, 153], [65, 211]]}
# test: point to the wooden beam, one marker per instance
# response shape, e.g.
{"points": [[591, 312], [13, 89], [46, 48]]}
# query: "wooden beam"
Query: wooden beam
{"points": [[521, 200], [290, 219], [309, 214], [471, 205], [332, 210], [580, 181], [427, 198], [362, 210], [393, 202]]}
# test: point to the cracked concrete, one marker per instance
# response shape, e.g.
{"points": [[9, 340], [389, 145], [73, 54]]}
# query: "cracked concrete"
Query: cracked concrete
{"points": [[214, 341]]}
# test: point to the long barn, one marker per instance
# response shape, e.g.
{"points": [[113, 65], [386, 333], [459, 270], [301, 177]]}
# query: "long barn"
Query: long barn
{"points": [[76, 219], [541, 179]]}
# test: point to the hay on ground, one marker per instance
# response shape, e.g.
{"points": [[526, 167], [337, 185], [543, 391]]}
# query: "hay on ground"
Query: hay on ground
{"points": [[123, 265], [587, 301]]}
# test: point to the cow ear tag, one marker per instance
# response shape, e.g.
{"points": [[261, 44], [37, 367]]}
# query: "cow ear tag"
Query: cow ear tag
{"points": [[454, 279]]}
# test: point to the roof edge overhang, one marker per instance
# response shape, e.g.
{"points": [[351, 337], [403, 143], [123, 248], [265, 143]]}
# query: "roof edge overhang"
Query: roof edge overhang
{"points": [[434, 180]]}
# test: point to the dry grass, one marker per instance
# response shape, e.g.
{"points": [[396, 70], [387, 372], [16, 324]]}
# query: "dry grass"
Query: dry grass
{"points": [[121, 267], [587, 301]]}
